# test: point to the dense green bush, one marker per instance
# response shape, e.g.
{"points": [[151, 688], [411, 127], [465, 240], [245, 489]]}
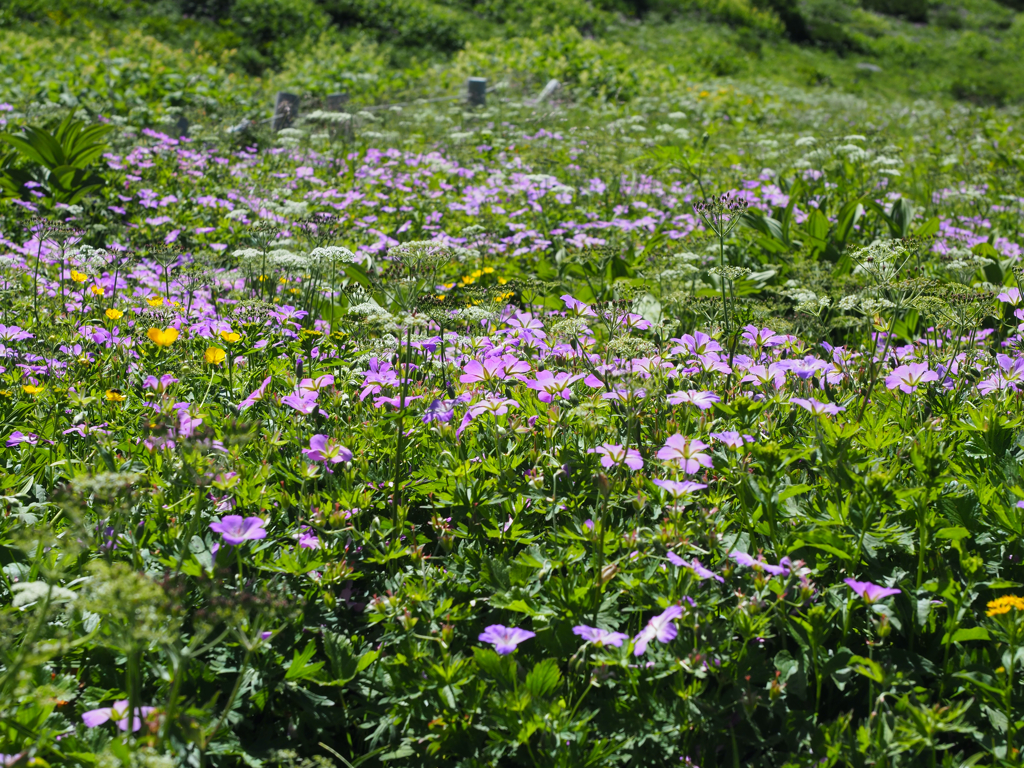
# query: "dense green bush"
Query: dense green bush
{"points": [[912, 10], [402, 23], [271, 27]]}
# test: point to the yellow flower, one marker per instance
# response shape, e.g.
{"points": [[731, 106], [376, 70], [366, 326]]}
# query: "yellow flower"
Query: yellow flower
{"points": [[78, 277], [97, 290], [162, 338], [502, 280], [155, 301], [476, 273], [229, 337], [114, 314], [1004, 604], [176, 304], [488, 270], [214, 355], [31, 389], [115, 396], [467, 280]]}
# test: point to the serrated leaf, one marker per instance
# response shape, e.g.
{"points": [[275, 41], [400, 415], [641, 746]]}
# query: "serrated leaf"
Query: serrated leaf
{"points": [[543, 678]]}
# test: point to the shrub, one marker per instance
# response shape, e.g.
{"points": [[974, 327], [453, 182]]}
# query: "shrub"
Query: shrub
{"points": [[912, 10], [606, 70], [402, 23], [270, 27]]}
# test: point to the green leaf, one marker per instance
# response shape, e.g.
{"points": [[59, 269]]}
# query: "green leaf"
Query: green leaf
{"points": [[794, 490], [954, 534], [870, 668], [964, 634], [543, 678], [300, 668]]}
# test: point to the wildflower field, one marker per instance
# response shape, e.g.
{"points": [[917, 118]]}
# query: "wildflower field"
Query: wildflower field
{"points": [[674, 419]]}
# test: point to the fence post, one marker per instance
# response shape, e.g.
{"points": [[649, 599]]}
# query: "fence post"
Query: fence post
{"points": [[286, 109], [477, 91]]}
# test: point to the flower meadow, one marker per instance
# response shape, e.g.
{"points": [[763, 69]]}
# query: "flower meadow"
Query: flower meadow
{"points": [[678, 431]]}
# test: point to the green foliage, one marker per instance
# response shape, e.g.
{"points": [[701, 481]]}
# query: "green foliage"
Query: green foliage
{"points": [[417, 24], [62, 161], [270, 28]]}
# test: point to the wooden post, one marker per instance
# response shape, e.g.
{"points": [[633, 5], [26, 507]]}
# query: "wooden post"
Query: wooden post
{"points": [[286, 109], [477, 91], [336, 101]]}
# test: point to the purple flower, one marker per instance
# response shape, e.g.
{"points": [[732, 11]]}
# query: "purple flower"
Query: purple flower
{"points": [[496, 406], [742, 558], [686, 453], [697, 344], [256, 395], [702, 400], [614, 455], [237, 530], [308, 538], [732, 439], [600, 636], [304, 401], [159, 385], [908, 377], [870, 593], [117, 712], [550, 385], [324, 448], [504, 639], [679, 488], [17, 438], [659, 628], [577, 307], [702, 572], [817, 407], [439, 410], [1010, 296]]}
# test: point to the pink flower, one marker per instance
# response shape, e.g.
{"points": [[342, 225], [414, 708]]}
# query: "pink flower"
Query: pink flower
{"points": [[908, 377], [550, 385], [615, 455], [816, 407], [577, 307], [118, 712], [323, 448], [870, 593], [677, 488], [492, 369], [774, 374], [659, 628], [600, 636], [303, 401], [732, 439], [236, 530], [742, 558], [702, 400], [256, 395], [697, 344], [1011, 296], [686, 453]]}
